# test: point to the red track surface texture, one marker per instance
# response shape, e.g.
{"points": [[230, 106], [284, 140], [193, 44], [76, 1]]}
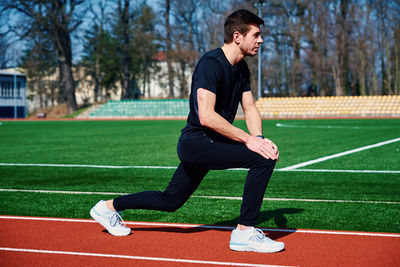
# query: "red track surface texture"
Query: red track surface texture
{"points": [[41, 242]]}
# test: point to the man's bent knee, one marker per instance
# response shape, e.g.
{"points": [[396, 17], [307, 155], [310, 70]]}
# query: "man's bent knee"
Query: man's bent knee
{"points": [[262, 162], [172, 207], [172, 202]]}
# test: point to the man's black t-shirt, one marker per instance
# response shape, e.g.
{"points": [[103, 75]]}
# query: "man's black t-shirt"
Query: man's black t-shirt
{"points": [[215, 73]]}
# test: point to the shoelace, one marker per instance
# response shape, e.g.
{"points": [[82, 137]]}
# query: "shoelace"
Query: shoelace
{"points": [[258, 235], [117, 219]]}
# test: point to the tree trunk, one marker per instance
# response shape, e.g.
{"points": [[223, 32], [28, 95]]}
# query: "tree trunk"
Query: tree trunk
{"points": [[169, 48], [183, 83], [40, 91], [126, 92], [388, 80], [383, 69], [361, 73], [337, 78], [96, 79], [396, 70], [342, 50], [62, 41], [374, 82]]}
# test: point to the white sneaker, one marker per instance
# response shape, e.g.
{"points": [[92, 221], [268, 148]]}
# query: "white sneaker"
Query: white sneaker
{"points": [[111, 220], [253, 239]]}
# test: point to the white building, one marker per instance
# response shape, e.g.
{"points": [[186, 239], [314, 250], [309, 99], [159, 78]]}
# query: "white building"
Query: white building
{"points": [[159, 83], [12, 94], [156, 86]]}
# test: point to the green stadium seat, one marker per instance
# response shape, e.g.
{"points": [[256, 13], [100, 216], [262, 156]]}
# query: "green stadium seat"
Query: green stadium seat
{"points": [[166, 108]]}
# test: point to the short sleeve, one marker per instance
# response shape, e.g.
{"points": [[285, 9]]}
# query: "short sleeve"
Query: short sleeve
{"points": [[207, 74], [247, 86]]}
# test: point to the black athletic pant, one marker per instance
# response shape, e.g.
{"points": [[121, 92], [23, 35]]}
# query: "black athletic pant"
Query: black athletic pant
{"points": [[198, 155]]}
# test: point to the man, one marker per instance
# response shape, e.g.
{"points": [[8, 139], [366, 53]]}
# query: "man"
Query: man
{"points": [[210, 142]]}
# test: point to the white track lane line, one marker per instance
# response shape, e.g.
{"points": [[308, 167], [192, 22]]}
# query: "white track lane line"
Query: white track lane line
{"points": [[186, 225], [303, 164], [172, 168], [209, 197], [102, 255]]}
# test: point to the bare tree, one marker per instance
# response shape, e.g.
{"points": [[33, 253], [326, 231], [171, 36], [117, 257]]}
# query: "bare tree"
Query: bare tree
{"points": [[124, 29], [168, 42], [210, 33], [396, 52], [57, 19], [39, 63], [316, 34], [4, 45], [95, 48], [184, 32], [363, 48], [145, 44]]}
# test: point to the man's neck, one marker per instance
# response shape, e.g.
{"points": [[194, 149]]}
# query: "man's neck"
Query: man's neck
{"points": [[232, 53]]}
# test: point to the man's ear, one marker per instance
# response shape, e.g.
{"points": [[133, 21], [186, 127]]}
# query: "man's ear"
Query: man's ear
{"points": [[237, 37]]}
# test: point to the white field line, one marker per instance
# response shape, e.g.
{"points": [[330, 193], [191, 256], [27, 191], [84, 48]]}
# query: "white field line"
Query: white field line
{"points": [[307, 200], [61, 192], [102, 255], [344, 171], [208, 197], [186, 225], [173, 167], [295, 125], [97, 166], [287, 125], [84, 166], [303, 164]]}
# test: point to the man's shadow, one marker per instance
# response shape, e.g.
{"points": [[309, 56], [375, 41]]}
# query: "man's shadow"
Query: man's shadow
{"points": [[277, 215]]}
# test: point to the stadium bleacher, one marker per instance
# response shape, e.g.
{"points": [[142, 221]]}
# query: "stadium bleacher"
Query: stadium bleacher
{"points": [[165, 108], [273, 107], [332, 106]]}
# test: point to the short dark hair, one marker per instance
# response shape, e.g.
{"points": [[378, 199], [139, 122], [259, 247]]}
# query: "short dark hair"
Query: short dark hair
{"points": [[240, 21]]}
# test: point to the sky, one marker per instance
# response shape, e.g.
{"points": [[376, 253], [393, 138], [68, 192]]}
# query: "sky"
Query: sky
{"points": [[17, 46]]}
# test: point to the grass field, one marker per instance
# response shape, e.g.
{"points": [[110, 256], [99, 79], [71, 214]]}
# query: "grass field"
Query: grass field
{"points": [[359, 191]]}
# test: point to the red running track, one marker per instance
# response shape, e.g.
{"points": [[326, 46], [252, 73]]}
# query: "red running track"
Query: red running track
{"points": [[37, 241]]}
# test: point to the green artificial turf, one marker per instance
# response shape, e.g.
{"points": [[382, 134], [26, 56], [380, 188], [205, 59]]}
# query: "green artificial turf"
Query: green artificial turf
{"points": [[153, 143]]}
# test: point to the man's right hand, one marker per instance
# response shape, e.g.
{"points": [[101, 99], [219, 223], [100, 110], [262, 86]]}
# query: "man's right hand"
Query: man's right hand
{"points": [[264, 147]]}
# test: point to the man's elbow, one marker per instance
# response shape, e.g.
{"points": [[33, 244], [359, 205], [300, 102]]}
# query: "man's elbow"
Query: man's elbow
{"points": [[205, 120]]}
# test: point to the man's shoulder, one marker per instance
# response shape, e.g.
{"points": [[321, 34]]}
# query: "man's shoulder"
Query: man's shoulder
{"points": [[213, 53], [210, 62], [212, 56]]}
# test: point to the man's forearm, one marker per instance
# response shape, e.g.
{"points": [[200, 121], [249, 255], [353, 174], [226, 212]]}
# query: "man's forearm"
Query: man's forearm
{"points": [[253, 122], [265, 147], [217, 123], [214, 121]]}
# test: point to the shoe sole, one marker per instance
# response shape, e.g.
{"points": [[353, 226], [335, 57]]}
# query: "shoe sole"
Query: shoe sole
{"points": [[252, 249], [100, 220]]}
